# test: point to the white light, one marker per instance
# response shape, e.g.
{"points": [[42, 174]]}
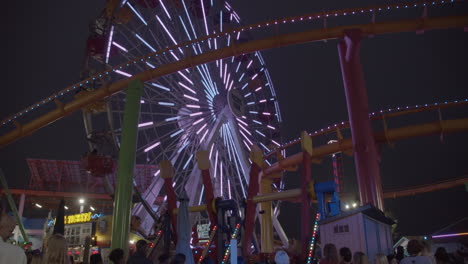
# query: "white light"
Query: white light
{"points": [[200, 130], [138, 14], [258, 89], [250, 63], [160, 86], [165, 103], [257, 122], [38, 205], [146, 43], [152, 146], [347, 206], [145, 124], [109, 44], [157, 173], [150, 65], [354, 205], [92, 208], [167, 31], [176, 133], [270, 127], [132, 241], [245, 124], [126, 74], [185, 77], [172, 118], [81, 201], [66, 207]]}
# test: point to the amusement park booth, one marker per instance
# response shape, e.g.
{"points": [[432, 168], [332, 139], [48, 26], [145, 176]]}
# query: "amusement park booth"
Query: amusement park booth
{"points": [[364, 229]]}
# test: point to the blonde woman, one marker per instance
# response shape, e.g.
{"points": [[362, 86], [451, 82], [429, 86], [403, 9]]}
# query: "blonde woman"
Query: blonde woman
{"points": [[360, 258], [56, 250], [380, 259]]}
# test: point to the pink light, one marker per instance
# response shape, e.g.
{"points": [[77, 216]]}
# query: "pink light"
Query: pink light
{"points": [[245, 129], [190, 97], [270, 127], [157, 173], [204, 17], [211, 150], [198, 121], [187, 88], [201, 129], [204, 135], [152, 147], [262, 101], [193, 106], [276, 143], [258, 89], [230, 85], [451, 235], [255, 76], [247, 145], [145, 124], [119, 46], [196, 114], [123, 73], [165, 10], [245, 124], [216, 164], [266, 113]]}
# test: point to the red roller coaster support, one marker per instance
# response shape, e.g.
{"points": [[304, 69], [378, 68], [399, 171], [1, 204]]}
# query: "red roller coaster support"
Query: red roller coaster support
{"points": [[256, 157], [306, 145], [365, 152], [167, 172]]}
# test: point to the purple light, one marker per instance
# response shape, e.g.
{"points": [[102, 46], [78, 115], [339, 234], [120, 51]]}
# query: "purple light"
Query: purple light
{"points": [[451, 235], [152, 147], [255, 76], [123, 73], [201, 129], [258, 89], [250, 63], [188, 88], [193, 106], [145, 124], [119, 46]]}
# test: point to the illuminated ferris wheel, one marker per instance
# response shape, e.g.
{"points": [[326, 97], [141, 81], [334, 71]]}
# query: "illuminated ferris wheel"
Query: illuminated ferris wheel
{"points": [[224, 106]]}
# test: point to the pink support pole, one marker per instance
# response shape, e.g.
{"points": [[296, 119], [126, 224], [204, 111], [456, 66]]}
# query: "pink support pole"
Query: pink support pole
{"points": [[365, 153]]}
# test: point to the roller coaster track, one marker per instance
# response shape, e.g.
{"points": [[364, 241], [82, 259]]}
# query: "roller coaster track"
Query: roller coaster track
{"points": [[390, 27]]}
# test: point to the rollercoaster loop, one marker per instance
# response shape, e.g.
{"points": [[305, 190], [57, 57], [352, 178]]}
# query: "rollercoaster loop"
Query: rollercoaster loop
{"points": [[237, 31]]}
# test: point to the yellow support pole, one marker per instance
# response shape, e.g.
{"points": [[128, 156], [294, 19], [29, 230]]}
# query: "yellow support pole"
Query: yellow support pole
{"points": [[266, 218]]}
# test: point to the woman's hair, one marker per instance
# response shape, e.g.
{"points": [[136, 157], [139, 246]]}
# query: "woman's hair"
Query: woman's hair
{"points": [[95, 259], [116, 255], [414, 247], [346, 254], [330, 253], [179, 258], [360, 258], [380, 259], [441, 254], [56, 250]]}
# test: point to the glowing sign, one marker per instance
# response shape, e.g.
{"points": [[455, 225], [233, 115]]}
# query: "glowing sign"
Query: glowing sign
{"points": [[77, 218]]}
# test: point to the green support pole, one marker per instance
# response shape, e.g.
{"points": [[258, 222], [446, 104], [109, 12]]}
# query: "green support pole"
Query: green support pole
{"points": [[128, 141], [13, 206]]}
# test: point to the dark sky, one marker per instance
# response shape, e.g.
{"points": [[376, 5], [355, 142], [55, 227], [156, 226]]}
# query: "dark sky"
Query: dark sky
{"points": [[44, 47]]}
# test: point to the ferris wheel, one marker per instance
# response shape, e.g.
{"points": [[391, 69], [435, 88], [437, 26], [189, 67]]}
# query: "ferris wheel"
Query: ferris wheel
{"points": [[224, 106]]}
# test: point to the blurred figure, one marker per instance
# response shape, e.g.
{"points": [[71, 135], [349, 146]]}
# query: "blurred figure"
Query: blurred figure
{"points": [[414, 249], [380, 259], [426, 251], [9, 253], [281, 257], [139, 257], [330, 255], [164, 259], [72, 261], [441, 256], [391, 259], [117, 256], [57, 249], [345, 255], [178, 259], [95, 259], [360, 258], [400, 253]]}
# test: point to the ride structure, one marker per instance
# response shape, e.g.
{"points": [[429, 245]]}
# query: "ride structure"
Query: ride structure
{"points": [[262, 174]]}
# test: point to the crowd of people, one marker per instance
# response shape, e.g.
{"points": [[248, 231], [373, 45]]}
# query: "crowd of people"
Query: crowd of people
{"points": [[55, 251]]}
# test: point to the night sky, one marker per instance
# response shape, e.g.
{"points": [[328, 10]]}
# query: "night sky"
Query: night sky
{"points": [[44, 45]]}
